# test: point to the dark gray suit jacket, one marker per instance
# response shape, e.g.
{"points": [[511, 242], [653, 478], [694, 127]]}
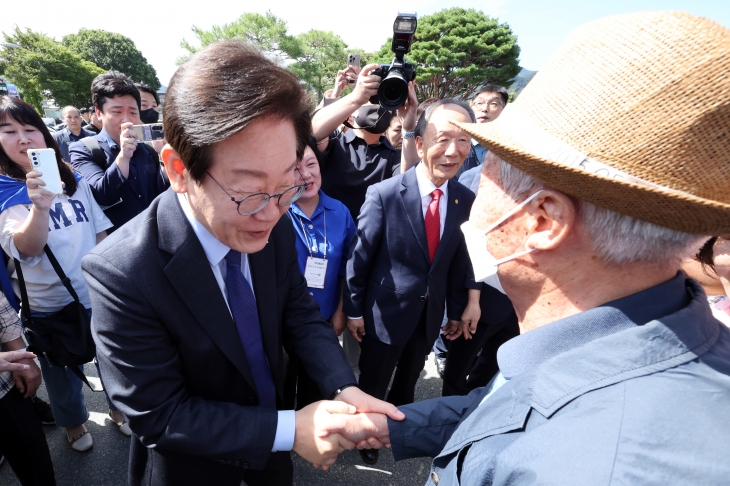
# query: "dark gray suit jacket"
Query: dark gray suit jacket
{"points": [[169, 352], [390, 277], [63, 140]]}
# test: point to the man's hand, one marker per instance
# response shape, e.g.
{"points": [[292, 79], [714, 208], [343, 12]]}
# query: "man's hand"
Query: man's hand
{"points": [[367, 430], [407, 112], [27, 381], [367, 84], [452, 330], [339, 322], [127, 141], [357, 328], [312, 439], [9, 358], [470, 319], [365, 403]]}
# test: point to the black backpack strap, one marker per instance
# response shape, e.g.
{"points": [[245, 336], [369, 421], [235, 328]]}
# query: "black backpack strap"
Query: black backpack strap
{"points": [[24, 302], [97, 153]]}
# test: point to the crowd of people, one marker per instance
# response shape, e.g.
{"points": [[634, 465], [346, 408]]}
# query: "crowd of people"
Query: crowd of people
{"points": [[272, 278]]}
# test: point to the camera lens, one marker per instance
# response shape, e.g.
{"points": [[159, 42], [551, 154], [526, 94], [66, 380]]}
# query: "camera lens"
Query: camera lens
{"points": [[393, 90]]}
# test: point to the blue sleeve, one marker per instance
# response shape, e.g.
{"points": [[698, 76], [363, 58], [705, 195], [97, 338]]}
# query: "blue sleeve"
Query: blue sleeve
{"points": [[106, 185], [429, 424], [350, 230]]}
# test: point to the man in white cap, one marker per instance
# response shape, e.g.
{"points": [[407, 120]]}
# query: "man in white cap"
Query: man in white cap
{"points": [[587, 206]]}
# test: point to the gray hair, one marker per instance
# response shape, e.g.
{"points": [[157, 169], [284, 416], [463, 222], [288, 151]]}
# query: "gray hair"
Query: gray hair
{"points": [[426, 115], [616, 238]]}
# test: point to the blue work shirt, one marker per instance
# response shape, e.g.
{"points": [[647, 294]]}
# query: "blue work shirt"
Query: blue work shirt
{"points": [[310, 242]]}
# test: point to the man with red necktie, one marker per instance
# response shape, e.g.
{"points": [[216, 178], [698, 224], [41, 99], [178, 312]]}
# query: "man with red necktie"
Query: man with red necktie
{"points": [[409, 260]]}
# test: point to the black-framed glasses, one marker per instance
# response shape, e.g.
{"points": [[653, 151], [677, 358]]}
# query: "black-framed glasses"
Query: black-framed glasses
{"points": [[482, 106], [256, 202]]}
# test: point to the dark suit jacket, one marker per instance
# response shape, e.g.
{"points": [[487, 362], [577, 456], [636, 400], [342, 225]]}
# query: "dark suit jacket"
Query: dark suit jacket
{"points": [[63, 140], [389, 274], [121, 199], [169, 352]]}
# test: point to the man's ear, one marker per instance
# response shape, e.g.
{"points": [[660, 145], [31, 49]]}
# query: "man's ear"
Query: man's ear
{"points": [[419, 147], [551, 217], [175, 169]]}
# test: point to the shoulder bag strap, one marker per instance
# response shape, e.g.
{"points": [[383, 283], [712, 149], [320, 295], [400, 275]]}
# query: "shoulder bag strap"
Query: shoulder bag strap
{"points": [[59, 271], [25, 303]]}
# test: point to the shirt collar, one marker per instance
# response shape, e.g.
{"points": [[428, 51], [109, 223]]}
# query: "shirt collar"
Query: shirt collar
{"points": [[325, 202], [112, 143], [530, 350], [349, 136], [425, 186], [214, 250]]}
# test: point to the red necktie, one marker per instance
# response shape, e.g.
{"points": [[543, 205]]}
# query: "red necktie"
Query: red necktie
{"points": [[433, 223]]}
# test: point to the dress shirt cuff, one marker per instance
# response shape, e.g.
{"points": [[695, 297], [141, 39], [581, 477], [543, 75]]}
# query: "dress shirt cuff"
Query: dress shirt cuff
{"points": [[285, 427], [354, 318]]}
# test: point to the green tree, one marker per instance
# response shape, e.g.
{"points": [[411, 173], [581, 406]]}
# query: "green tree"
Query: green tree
{"points": [[268, 32], [109, 50], [457, 50], [321, 55], [43, 68]]}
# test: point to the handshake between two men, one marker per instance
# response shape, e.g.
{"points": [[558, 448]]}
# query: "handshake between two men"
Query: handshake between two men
{"points": [[325, 429]]}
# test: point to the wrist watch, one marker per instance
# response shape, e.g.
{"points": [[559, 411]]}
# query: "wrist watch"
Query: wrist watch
{"points": [[409, 134], [340, 390]]}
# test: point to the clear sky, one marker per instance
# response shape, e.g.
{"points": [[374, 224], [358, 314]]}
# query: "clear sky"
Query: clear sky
{"points": [[158, 26]]}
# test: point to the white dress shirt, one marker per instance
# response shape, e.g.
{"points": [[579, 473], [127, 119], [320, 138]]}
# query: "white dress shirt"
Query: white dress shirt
{"points": [[216, 252], [426, 187]]}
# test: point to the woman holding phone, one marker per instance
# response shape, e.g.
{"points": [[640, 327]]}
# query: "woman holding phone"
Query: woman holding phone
{"points": [[70, 224], [324, 230]]}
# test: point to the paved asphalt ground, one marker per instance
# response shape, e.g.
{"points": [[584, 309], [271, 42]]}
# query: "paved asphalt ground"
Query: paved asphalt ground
{"points": [[106, 463]]}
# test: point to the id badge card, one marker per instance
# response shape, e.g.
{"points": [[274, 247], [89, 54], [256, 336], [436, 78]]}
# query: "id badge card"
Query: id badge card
{"points": [[315, 271]]}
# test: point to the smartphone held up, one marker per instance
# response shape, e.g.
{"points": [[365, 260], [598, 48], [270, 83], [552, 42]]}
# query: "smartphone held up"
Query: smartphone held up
{"points": [[148, 133], [44, 161]]}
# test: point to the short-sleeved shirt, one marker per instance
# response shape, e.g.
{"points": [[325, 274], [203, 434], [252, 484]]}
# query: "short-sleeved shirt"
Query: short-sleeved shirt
{"points": [[311, 232], [351, 166], [73, 224]]}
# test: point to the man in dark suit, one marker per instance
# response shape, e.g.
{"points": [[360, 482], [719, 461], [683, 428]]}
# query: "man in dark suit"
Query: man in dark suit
{"points": [[193, 299], [124, 176], [73, 132], [409, 259]]}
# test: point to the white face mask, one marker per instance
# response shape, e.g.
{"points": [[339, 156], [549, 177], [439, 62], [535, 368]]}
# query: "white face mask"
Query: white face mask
{"points": [[484, 263]]}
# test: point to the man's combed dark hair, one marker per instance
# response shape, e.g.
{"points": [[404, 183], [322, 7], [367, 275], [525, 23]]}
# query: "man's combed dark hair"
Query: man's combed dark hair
{"points": [[493, 88], [25, 114], [148, 89], [220, 91], [111, 84]]}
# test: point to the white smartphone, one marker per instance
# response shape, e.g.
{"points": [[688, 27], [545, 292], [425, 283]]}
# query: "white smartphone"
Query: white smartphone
{"points": [[149, 132], [353, 60], [44, 161]]}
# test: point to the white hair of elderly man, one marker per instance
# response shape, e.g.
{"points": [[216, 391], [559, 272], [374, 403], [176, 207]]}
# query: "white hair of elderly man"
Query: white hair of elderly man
{"points": [[617, 239]]}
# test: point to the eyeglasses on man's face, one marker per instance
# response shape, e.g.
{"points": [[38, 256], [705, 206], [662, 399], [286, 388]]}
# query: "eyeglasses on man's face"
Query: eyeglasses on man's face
{"points": [[256, 202], [487, 105]]}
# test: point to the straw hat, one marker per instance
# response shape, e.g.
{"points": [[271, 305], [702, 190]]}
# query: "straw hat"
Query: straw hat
{"points": [[632, 113]]}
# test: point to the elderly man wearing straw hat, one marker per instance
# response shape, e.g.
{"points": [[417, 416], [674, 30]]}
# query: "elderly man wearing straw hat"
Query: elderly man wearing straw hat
{"points": [[588, 203]]}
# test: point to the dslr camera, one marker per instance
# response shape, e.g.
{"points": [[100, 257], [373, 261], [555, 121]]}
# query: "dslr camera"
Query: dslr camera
{"points": [[393, 90]]}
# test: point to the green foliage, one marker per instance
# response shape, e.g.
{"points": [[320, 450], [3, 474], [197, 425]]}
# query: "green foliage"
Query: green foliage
{"points": [[109, 50], [43, 68], [321, 55], [457, 50], [268, 32]]}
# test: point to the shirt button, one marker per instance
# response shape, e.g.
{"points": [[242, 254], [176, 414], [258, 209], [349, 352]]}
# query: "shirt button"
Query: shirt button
{"points": [[434, 477], [311, 226], [310, 293]]}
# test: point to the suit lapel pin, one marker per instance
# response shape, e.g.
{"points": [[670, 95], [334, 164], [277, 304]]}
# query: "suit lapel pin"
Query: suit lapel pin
{"points": [[456, 201]]}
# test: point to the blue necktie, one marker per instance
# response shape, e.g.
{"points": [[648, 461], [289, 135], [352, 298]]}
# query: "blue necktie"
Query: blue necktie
{"points": [[246, 317]]}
